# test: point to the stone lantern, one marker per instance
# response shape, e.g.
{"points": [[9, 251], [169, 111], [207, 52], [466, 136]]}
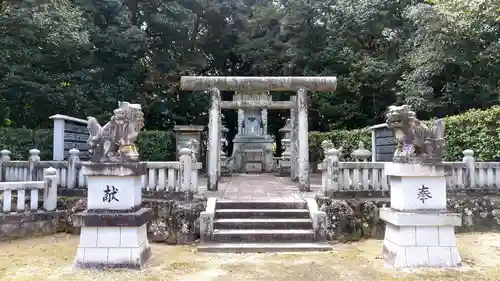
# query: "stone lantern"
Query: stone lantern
{"points": [[361, 154]]}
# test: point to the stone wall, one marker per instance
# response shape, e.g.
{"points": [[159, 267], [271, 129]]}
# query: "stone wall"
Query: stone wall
{"points": [[175, 220], [13, 226], [354, 219]]}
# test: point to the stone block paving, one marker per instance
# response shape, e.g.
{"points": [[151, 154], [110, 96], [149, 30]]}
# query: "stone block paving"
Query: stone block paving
{"points": [[260, 187]]}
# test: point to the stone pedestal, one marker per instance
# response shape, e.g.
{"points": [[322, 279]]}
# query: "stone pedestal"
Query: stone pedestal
{"points": [[419, 231], [113, 228], [252, 153]]}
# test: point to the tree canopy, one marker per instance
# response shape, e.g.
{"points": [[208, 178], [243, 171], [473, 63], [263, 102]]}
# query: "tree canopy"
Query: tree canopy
{"points": [[79, 57]]}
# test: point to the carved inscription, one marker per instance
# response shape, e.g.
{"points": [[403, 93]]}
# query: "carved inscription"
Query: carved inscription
{"points": [[423, 193], [110, 194]]}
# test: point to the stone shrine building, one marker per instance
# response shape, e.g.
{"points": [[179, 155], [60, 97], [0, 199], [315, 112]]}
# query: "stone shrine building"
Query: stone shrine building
{"points": [[252, 144]]}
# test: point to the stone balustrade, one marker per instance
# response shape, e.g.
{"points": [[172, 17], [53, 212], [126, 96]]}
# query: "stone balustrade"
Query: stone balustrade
{"points": [[23, 190], [370, 176], [345, 176], [160, 175]]}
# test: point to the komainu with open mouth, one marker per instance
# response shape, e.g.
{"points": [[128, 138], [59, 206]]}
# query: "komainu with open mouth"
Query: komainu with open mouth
{"points": [[416, 140]]}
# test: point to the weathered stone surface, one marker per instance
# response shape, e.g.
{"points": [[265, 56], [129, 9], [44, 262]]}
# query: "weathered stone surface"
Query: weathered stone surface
{"points": [[478, 214], [90, 218], [72, 205], [116, 169], [176, 221], [115, 141], [353, 219], [349, 219], [266, 83], [416, 141], [303, 141], [20, 225], [173, 221]]}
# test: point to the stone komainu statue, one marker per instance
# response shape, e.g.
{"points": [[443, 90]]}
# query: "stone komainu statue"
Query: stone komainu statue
{"points": [[115, 141], [415, 140], [326, 145], [193, 145]]}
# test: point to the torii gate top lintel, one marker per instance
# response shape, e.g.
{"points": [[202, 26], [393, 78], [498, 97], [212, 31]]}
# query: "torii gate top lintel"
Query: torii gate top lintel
{"points": [[259, 83]]}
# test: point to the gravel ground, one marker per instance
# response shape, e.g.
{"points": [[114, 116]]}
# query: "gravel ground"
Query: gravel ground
{"points": [[50, 258]]}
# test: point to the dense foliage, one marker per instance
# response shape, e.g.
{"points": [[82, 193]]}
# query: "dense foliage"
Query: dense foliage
{"points": [[153, 145], [79, 57], [478, 130]]}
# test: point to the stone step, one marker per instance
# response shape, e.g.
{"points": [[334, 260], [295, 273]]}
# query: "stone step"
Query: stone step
{"points": [[262, 235], [261, 213], [261, 205], [263, 247], [263, 224]]}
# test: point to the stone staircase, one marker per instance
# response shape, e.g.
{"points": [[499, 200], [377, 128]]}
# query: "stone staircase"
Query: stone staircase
{"points": [[253, 226]]}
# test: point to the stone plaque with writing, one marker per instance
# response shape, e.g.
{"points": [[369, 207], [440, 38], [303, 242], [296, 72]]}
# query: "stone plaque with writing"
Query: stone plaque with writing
{"points": [[76, 136], [385, 144]]}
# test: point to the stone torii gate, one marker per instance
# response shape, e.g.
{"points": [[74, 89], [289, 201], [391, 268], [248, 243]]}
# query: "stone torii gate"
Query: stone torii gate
{"points": [[215, 84]]}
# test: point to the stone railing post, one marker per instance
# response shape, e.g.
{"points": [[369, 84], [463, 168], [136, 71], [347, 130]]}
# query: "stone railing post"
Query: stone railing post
{"points": [[4, 157], [32, 160], [332, 171], [73, 159], [194, 179], [186, 167], [361, 154], [50, 189], [207, 220], [470, 170]]}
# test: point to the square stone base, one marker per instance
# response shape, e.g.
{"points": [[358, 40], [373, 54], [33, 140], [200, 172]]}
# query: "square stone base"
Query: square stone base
{"points": [[398, 256], [253, 167], [113, 247], [430, 242]]}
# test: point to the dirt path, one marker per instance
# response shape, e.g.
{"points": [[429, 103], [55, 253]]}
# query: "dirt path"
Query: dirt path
{"points": [[50, 258]]}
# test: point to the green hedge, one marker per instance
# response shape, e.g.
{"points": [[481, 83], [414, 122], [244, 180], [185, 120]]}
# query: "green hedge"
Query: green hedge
{"points": [[153, 145], [347, 139], [478, 130], [20, 140], [156, 145]]}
